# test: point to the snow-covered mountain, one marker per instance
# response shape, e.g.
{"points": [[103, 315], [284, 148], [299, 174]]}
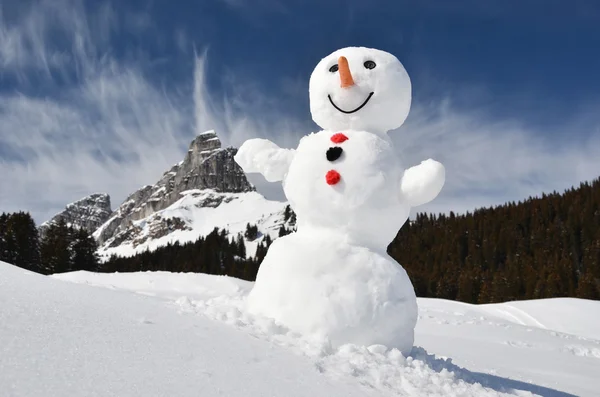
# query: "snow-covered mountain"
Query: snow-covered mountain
{"points": [[206, 166], [89, 213], [196, 214], [207, 189], [158, 334]]}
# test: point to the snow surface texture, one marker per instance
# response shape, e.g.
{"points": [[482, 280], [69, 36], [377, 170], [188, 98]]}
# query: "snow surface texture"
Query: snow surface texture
{"points": [[351, 194], [517, 354], [60, 339]]}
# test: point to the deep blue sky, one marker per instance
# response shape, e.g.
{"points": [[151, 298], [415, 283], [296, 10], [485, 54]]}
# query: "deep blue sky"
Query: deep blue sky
{"points": [[534, 60], [538, 61]]}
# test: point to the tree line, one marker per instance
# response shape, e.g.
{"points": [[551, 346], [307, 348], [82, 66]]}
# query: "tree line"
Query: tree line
{"points": [[60, 249], [539, 248], [542, 247]]}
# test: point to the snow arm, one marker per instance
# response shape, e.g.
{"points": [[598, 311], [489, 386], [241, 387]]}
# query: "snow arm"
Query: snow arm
{"points": [[264, 157], [422, 183]]}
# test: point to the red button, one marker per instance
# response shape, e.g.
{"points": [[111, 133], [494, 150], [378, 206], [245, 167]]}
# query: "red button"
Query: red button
{"points": [[339, 138], [332, 177]]}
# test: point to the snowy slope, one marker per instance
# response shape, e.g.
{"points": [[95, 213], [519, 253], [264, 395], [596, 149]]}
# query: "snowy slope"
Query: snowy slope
{"points": [[62, 339], [233, 212], [559, 358], [572, 316], [562, 355]]}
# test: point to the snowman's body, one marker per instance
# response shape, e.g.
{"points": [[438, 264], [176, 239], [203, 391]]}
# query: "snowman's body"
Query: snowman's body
{"points": [[350, 194], [316, 282], [365, 205]]}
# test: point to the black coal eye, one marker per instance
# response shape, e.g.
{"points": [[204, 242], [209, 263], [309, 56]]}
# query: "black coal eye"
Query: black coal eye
{"points": [[334, 153], [334, 68], [370, 64]]}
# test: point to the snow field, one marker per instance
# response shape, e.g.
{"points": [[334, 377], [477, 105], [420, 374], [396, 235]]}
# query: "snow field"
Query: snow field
{"points": [[503, 357], [61, 339]]}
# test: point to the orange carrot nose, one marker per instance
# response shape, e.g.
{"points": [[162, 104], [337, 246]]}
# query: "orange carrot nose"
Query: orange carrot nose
{"points": [[346, 79]]}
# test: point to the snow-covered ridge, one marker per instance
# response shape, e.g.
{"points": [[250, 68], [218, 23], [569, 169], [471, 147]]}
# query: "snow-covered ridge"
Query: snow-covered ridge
{"points": [[196, 214], [479, 349]]}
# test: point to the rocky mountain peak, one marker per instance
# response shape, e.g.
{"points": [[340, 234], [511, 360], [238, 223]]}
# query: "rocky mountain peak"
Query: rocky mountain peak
{"points": [[89, 213], [203, 146], [206, 166]]}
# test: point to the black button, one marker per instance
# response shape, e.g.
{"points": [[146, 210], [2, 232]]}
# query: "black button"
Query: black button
{"points": [[334, 153]]}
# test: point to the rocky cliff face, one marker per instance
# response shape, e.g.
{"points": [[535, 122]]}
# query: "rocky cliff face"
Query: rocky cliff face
{"points": [[206, 166], [89, 213]]}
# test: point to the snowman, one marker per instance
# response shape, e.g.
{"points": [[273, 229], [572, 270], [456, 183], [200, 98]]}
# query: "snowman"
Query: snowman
{"points": [[332, 278]]}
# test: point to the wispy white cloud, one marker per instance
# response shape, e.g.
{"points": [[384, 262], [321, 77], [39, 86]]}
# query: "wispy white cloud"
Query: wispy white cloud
{"points": [[50, 35], [111, 128], [490, 162], [108, 127]]}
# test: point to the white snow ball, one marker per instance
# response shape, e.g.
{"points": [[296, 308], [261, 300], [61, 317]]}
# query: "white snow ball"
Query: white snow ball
{"points": [[372, 93], [315, 283]]}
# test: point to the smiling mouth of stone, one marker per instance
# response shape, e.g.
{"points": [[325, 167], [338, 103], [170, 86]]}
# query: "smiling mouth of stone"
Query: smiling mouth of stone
{"points": [[350, 111]]}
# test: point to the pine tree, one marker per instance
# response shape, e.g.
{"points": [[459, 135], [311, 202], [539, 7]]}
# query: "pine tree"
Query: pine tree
{"points": [[83, 255], [19, 241], [241, 246], [588, 288], [289, 216], [4, 237], [8, 240], [251, 232], [468, 287], [287, 213], [26, 241], [55, 249], [485, 293]]}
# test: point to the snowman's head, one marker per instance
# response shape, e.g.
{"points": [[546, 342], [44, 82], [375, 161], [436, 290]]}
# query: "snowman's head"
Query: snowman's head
{"points": [[360, 89]]}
